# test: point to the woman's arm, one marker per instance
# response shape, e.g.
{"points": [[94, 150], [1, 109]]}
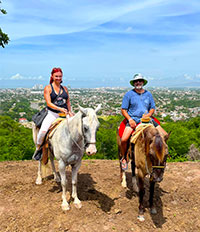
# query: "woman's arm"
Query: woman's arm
{"points": [[68, 103]]}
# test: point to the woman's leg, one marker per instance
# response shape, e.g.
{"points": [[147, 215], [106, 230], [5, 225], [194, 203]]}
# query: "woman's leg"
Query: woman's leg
{"points": [[51, 116]]}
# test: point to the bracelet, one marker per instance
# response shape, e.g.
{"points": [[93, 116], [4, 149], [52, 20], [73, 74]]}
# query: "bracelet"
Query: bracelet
{"points": [[130, 119]]}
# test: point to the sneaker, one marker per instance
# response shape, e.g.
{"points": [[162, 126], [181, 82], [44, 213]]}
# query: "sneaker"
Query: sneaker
{"points": [[37, 154], [124, 164]]}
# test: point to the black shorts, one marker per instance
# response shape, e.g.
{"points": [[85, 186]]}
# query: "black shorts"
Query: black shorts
{"points": [[152, 121]]}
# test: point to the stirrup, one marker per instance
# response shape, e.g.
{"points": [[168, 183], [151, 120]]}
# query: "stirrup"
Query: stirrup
{"points": [[37, 154]]}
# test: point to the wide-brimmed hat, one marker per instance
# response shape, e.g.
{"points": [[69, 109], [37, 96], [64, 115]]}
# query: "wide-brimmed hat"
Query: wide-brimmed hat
{"points": [[136, 77]]}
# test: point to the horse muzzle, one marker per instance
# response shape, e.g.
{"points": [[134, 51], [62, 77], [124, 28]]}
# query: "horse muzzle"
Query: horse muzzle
{"points": [[91, 149], [157, 175]]}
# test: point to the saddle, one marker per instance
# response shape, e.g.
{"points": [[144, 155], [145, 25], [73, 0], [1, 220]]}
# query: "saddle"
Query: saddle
{"points": [[122, 125], [49, 134]]}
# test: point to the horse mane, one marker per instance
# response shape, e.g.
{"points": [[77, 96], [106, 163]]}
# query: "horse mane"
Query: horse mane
{"points": [[151, 135], [159, 148]]}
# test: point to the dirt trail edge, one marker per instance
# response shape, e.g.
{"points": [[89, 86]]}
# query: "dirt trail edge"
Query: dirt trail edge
{"points": [[25, 206]]}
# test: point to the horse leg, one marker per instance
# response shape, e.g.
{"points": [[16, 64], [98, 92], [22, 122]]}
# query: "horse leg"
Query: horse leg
{"points": [[141, 196], [39, 174], [75, 169], [134, 180], [62, 169], [56, 176], [152, 208]]}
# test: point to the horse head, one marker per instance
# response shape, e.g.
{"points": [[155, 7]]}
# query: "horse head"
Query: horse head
{"points": [[157, 151], [90, 125]]}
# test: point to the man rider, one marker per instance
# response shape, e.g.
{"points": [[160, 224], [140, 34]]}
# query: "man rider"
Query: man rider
{"points": [[136, 104]]}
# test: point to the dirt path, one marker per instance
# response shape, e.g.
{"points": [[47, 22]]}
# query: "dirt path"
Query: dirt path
{"points": [[25, 206]]}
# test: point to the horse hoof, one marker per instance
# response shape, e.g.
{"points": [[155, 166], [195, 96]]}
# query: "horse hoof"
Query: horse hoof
{"points": [[38, 181], [65, 207], [78, 205], [141, 218], [57, 180], [153, 211]]}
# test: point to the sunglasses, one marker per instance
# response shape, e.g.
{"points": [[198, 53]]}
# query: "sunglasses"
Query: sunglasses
{"points": [[140, 80]]}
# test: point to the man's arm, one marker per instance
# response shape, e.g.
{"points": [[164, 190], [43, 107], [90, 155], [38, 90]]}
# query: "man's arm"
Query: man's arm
{"points": [[151, 112], [132, 123]]}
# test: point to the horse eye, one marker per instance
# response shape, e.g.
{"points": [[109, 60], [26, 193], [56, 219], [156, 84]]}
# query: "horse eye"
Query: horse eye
{"points": [[86, 128]]}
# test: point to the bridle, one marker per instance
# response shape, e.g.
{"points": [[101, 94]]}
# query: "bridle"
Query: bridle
{"points": [[154, 167], [84, 138]]}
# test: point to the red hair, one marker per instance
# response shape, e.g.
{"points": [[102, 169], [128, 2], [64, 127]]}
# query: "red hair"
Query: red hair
{"points": [[54, 70]]}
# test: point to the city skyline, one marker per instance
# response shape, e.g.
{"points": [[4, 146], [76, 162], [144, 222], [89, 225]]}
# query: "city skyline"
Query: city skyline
{"points": [[101, 43]]}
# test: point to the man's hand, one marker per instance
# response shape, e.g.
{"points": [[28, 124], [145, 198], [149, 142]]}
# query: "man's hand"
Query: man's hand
{"points": [[132, 123]]}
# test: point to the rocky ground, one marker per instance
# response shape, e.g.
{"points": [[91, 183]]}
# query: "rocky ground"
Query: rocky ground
{"points": [[106, 206]]}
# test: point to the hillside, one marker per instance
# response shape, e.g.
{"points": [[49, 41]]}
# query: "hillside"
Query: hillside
{"points": [[25, 206]]}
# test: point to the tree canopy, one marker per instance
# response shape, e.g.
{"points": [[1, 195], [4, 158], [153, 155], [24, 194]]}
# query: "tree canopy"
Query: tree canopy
{"points": [[16, 141], [4, 39]]}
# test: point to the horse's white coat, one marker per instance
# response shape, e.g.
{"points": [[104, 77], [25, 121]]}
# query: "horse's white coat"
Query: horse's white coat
{"points": [[68, 144]]}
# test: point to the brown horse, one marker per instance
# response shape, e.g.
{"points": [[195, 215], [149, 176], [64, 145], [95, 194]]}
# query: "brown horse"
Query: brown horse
{"points": [[148, 157]]}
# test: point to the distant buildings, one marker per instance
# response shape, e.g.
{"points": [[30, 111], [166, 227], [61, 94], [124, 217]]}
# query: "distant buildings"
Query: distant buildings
{"points": [[37, 87], [22, 120]]}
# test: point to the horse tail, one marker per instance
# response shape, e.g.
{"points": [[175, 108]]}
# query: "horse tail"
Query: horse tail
{"points": [[118, 143], [44, 161], [159, 147], [44, 169]]}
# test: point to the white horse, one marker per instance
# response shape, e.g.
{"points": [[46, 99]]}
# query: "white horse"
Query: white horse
{"points": [[71, 138]]}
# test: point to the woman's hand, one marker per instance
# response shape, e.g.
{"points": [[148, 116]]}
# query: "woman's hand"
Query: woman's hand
{"points": [[63, 110], [71, 114]]}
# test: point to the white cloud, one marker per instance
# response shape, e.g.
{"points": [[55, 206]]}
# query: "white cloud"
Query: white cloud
{"points": [[129, 29], [188, 77], [20, 77], [150, 78], [17, 77]]}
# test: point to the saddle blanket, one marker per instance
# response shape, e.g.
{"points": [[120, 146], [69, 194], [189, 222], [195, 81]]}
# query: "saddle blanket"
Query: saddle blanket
{"points": [[123, 125], [139, 129]]}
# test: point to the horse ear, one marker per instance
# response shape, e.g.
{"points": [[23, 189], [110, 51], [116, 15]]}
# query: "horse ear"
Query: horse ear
{"points": [[83, 110], [166, 137], [98, 108]]}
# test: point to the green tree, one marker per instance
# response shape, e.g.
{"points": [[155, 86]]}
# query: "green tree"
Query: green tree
{"points": [[16, 142], [3, 36]]}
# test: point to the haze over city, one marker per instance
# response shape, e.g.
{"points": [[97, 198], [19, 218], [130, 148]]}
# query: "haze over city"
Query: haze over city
{"points": [[101, 43]]}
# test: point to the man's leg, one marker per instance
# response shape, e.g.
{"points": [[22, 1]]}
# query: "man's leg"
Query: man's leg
{"points": [[162, 131], [127, 133]]}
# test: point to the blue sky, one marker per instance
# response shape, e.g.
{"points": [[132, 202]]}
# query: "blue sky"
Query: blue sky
{"points": [[101, 42]]}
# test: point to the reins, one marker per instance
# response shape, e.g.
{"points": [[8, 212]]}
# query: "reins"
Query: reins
{"points": [[75, 141], [153, 167]]}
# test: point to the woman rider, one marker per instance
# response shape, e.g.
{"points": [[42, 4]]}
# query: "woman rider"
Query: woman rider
{"points": [[57, 100]]}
